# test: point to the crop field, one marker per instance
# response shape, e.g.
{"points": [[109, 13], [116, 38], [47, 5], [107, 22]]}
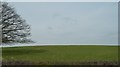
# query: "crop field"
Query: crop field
{"points": [[49, 55]]}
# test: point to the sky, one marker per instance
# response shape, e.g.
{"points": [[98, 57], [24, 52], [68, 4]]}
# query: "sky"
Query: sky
{"points": [[61, 0], [71, 22]]}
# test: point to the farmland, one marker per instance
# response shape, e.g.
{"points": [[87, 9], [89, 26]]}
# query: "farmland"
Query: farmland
{"points": [[74, 54]]}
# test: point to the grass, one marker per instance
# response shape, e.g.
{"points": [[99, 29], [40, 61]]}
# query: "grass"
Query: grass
{"points": [[66, 54]]}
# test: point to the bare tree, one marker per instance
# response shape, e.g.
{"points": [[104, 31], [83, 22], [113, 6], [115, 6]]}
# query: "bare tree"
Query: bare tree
{"points": [[14, 27], [0, 23]]}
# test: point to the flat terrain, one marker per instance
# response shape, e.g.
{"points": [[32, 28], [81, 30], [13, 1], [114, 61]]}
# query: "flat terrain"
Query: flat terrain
{"points": [[60, 54]]}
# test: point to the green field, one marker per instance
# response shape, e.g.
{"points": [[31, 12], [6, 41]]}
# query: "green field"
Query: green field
{"points": [[57, 54]]}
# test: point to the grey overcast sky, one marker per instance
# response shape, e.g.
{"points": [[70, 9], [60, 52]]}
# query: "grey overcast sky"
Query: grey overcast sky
{"points": [[71, 22]]}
